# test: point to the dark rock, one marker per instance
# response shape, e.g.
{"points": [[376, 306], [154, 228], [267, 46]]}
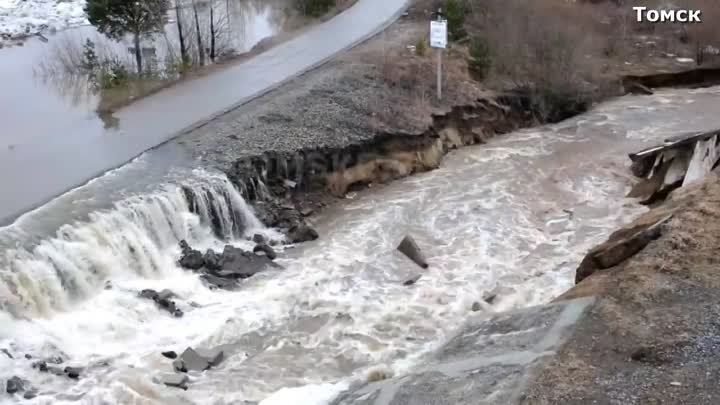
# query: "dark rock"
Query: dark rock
{"points": [[191, 259], [28, 356], [167, 304], [259, 239], [7, 353], [302, 233], [490, 297], [409, 248], [239, 264], [162, 299], [40, 366], [170, 354], [212, 281], [175, 380], [165, 295], [269, 252], [476, 306], [15, 385], [149, 294], [412, 280], [30, 394], [73, 372], [213, 261]]}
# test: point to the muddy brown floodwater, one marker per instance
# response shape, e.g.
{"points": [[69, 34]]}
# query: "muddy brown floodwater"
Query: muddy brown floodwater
{"points": [[514, 216]]}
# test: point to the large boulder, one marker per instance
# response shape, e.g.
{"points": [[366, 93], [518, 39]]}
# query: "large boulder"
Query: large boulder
{"points": [[302, 233], [410, 248], [239, 264], [213, 261], [14, 385], [191, 259]]}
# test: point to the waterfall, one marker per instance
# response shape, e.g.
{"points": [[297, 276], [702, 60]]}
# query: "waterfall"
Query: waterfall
{"points": [[137, 237]]}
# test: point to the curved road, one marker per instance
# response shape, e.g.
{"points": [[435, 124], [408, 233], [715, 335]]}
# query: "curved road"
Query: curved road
{"points": [[57, 162]]}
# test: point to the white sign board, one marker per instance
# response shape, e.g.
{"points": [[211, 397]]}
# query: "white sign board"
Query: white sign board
{"points": [[438, 34]]}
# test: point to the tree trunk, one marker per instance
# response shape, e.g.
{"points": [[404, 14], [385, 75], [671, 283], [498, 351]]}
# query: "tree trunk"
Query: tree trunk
{"points": [[138, 53], [181, 35], [201, 49], [212, 31]]}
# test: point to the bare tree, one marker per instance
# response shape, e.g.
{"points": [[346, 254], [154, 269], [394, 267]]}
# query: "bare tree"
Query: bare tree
{"points": [[201, 47], [213, 32], [181, 32]]}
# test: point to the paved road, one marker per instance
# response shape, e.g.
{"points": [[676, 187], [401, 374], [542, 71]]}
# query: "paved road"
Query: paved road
{"points": [[67, 157]]}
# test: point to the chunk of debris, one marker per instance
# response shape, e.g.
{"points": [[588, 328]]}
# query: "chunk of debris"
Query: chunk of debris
{"points": [[409, 248], [198, 360]]}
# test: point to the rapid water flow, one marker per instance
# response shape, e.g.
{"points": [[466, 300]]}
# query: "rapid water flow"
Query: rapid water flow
{"points": [[514, 216]]}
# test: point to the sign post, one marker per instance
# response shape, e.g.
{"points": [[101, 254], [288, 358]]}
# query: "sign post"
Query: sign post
{"points": [[438, 40]]}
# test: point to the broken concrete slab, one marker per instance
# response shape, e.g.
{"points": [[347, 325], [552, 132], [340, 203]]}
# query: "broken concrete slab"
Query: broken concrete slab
{"points": [[213, 356], [489, 361], [198, 359], [410, 248], [620, 246], [190, 360]]}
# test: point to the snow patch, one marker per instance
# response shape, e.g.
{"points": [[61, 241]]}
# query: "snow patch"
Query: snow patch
{"points": [[21, 18]]}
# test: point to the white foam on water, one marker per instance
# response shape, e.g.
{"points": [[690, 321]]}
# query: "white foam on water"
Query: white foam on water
{"points": [[318, 394]]}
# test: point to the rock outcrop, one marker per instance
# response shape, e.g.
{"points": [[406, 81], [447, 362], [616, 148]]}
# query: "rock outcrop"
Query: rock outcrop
{"points": [[224, 270]]}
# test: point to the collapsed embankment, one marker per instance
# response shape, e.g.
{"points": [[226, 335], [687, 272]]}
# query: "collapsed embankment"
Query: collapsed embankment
{"points": [[291, 182], [304, 175]]}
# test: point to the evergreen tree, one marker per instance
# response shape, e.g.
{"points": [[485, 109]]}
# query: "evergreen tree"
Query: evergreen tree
{"points": [[117, 18]]}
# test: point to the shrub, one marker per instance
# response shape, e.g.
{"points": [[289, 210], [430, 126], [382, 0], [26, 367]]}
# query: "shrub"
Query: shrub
{"points": [[531, 48], [479, 62], [455, 11], [112, 74], [420, 47], [89, 57], [315, 8]]}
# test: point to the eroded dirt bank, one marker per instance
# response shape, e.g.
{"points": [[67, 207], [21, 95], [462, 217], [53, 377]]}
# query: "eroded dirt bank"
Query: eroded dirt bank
{"points": [[652, 337]]}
